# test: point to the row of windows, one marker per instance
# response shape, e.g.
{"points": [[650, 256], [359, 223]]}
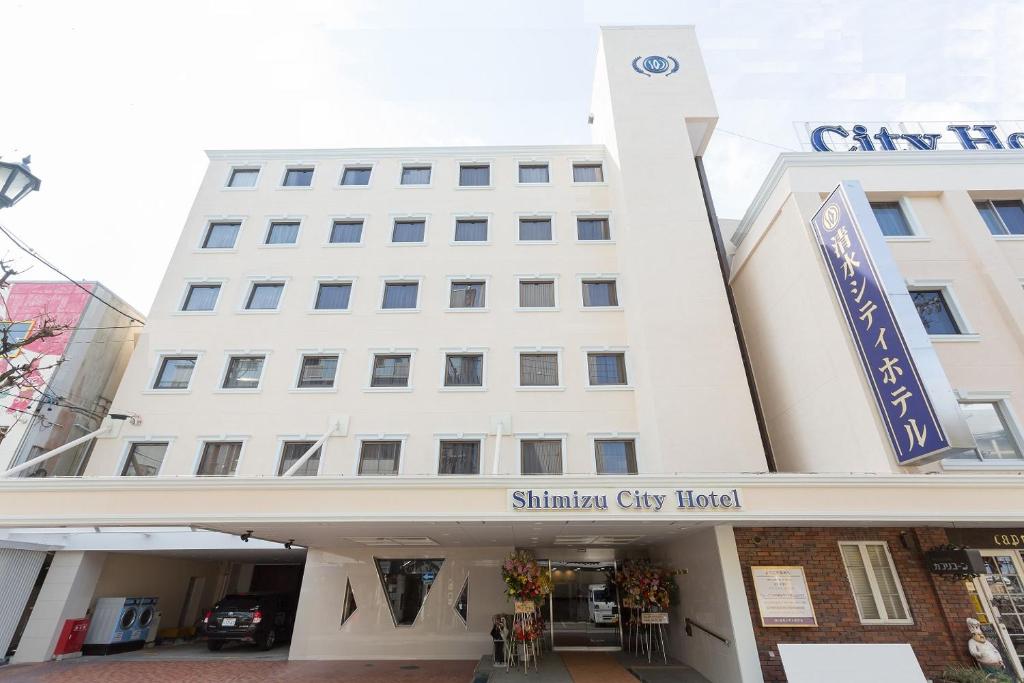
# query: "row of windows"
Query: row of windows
{"points": [[392, 370], [418, 174], [411, 230], [382, 457], [1002, 217], [403, 294]]}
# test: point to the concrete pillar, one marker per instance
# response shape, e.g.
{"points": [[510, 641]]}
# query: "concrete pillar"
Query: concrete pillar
{"points": [[66, 594]]}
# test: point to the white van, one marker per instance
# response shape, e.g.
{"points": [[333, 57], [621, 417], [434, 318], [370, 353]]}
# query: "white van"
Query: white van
{"points": [[601, 604]]}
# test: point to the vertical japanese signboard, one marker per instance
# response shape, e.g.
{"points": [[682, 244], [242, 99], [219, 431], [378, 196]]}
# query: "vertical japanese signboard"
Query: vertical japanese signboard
{"points": [[911, 421]]}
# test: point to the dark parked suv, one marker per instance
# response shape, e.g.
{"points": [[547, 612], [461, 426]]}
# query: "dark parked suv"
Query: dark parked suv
{"points": [[260, 618]]}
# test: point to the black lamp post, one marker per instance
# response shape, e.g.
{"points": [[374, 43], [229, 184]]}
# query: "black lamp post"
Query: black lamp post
{"points": [[16, 181]]}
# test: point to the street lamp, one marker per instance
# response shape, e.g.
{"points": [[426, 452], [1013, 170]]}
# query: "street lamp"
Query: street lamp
{"points": [[16, 181]]}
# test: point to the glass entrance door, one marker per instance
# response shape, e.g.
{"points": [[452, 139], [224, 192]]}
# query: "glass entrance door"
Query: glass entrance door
{"points": [[584, 606], [1003, 588]]}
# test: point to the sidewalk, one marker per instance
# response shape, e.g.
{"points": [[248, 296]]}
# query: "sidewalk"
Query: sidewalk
{"points": [[594, 667]]}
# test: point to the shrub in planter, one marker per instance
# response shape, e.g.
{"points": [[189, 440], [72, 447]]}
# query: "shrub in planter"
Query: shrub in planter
{"points": [[971, 674]]}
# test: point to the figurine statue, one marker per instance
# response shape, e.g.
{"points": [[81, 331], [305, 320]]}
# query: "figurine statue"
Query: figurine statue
{"points": [[985, 653]]}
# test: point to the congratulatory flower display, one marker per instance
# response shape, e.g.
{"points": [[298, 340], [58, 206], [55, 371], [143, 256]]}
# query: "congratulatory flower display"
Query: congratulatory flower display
{"points": [[525, 581], [646, 586]]}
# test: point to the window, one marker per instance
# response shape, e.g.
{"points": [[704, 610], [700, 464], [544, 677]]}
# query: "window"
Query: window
{"points": [[264, 296], [592, 229], [469, 294], [541, 456], [317, 372], [535, 230], [459, 457], [333, 296], [391, 370], [934, 311], [243, 177], [409, 231], [346, 232], [400, 295], [175, 372], [356, 175], [350, 606], [283, 233], [201, 298], [471, 230], [534, 173], [464, 370], [537, 293], [291, 451], [587, 173], [1003, 217], [298, 177], [538, 369], [891, 219], [474, 175], [606, 369], [598, 293], [379, 457], [144, 459], [615, 456], [991, 430], [220, 458], [14, 332], [221, 235], [406, 584], [461, 605], [875, 585], [243, 372], [415, 175]]}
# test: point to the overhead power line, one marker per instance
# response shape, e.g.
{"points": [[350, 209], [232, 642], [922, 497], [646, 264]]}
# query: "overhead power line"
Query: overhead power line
{"points": [[719, 129]]}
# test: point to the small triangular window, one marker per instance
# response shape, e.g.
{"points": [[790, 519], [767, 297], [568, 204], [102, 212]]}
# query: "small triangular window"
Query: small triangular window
{"points": [[350, 606], [462, 604]]}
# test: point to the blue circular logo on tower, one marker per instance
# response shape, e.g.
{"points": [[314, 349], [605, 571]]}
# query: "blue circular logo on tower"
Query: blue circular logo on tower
{"points": [[656, 65]]}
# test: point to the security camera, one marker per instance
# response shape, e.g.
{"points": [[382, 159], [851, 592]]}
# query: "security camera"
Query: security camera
{"points": [[245, 537]]}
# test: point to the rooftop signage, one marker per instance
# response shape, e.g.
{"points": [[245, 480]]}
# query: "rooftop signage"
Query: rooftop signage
{"points": [[905, 136], [635, 500]]}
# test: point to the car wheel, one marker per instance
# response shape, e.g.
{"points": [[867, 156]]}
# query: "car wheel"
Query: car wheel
{"points": [[268, 640], [215, 645]]}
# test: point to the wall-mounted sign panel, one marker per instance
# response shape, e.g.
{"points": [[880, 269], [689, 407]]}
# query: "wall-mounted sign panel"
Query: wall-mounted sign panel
{"points": [[898, 136], [782, 596]]}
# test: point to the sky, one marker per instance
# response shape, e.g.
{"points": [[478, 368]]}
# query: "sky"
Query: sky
{"points": [[117, 101]]}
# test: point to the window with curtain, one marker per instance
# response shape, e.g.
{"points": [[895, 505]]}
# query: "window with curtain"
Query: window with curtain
{"points": [[243, 372], [534, 229], [346, 232], [291, 451], [598, 293], [537, 293], [587, 173], [934, 311], [318, 372], [298, 177], [379, 457], [390, 370], [356, 175], [201, 298], [468, 294], [991, 431], [538, 369], [400, 294], [606, 369], [144, 459], [471, 230], [891, 219], [415, 175], [615, 456], [474, 175], [175, 372], [243, 177], [409, 231], [264, 296], [333, 296], [459, 457], [534, 173], [874, 583], [219, 459], [593, 229], [464, 370], [283, 232], [541, 456], [221, 235], [1004, 217]]}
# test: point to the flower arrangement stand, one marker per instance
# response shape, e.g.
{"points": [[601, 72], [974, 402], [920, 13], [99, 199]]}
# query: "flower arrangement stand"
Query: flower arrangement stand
{"points": [[655, 638], [527, 647]]}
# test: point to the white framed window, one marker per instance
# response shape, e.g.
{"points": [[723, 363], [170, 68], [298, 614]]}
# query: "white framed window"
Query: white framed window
{"points": [[221, 234], [473, 230], [200, 297], [464, 369], [897, 221], [874, 583], [594, 227], [587, 172], [317, 371], [537, 292], [416, 174], [940, 311], [1003, 217], [298, 177], [606, 369], [346, 231], [263, 296], [356, 175], [460, 454], [219, 458], [243, 372], [534, 173], [467, 293], [599, 292], [474, 174], [535, 229], [282, 232], [614, 455], [289, 453], [400, 294], [380, 456], [243, 178], [541, 454], [174, 372], [143, 458], [333, 295], [539, 369], [1000, 443], [390, 370], [409, 230]]}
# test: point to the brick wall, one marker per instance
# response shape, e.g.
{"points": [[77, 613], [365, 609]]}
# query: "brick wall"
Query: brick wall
{"points": [[939, 607]]}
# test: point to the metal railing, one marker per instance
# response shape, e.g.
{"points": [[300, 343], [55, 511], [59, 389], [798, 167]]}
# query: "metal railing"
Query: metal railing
{"points": [[690, 624]]}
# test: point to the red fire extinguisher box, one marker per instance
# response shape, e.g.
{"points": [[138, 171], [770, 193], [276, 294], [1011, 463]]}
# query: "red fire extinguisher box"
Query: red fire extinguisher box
{"points": [[72, 636]]}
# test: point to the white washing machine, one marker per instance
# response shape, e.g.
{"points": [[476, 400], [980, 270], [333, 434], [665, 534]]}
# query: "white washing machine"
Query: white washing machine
{"points": [[115, 626]]}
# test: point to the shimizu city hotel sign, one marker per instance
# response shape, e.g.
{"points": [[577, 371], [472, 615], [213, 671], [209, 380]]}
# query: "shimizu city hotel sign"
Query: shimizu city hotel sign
{"points": [[914, 398], [633, 500], [905, 136]]}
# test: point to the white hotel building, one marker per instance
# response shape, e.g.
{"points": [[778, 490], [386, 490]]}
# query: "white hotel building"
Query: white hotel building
{"points": [[369, 352]]}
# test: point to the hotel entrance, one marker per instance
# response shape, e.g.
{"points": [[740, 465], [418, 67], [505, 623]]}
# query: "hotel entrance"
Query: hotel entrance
{"points": [[584, 606]]}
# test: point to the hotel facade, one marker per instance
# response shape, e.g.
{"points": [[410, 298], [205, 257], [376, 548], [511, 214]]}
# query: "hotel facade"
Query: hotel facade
{"points": [[407, 363]]}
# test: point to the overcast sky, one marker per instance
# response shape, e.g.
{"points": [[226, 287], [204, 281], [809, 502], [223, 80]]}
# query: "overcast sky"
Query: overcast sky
{"points": [[116, 101]]}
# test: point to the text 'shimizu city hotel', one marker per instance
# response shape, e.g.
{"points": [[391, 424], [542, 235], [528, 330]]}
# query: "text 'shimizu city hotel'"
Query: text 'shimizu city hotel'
{"points": [[405, 363]]}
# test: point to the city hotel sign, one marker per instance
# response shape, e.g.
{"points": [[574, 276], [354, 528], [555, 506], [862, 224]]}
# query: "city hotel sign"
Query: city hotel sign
{"points": [[635, 500], [888, 138]]}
